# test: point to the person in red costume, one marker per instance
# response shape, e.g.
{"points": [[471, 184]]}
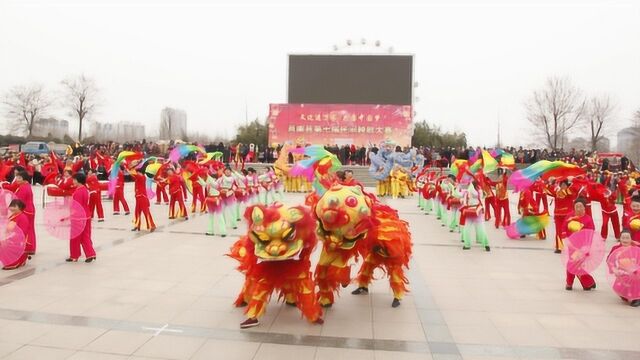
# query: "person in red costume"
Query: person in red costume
{"points": [[564, 198], [489, 196], [18, 219], [632, 219], [346, 178], [606, 199], [142, 202], [197, 192], [80, 219], [177, 193], [21, 186], [95, 195], [118, 196], [66, 182], [503, 214], [625, 241], [623, 190], [540, 196], [578, 220], [161, 191], [527, 207], [580, 186]]}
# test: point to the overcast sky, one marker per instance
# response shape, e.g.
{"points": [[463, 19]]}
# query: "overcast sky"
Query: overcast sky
{"points": [[475, 61]]}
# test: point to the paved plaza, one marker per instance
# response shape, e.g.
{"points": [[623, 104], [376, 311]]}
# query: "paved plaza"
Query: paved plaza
{"points": [[169, 294]]}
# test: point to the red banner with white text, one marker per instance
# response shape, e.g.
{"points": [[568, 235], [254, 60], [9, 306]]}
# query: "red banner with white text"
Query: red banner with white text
{"points": [[329, 124]]}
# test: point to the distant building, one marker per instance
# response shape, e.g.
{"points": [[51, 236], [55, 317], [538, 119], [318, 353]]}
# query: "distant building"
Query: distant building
{"points": [[173, 124], [629, 142], [581, 143], [121, 131], [50, 127], [578, 143]]}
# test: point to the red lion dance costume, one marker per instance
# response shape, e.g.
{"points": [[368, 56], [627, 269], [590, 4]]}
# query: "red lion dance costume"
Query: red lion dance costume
{"points": [[274, 256], [352, 223]]}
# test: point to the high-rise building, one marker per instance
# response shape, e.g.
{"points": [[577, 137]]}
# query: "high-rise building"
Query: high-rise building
{"points": [[50, 127], [173, 124], [629, 143], [121, 131]]}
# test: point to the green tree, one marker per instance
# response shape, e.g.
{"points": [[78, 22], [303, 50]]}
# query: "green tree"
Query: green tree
{"points": [[432, 136], [254, 132]]}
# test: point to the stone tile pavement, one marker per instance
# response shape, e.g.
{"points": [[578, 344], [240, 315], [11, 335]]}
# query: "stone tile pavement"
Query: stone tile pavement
{"points": [[168, 295]]}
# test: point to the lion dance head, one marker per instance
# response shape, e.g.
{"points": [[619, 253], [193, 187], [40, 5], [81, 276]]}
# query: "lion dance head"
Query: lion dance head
{"points": [[281, 233], [345, 216]]}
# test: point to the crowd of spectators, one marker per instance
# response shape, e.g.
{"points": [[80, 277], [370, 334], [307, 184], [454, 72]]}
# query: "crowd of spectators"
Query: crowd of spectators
{"points": [[347, 154]]}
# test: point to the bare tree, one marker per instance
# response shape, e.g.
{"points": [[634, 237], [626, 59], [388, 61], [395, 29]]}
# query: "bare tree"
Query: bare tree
{"points": [[81, 98], [25, 105], [556, 109], [599, 115]]}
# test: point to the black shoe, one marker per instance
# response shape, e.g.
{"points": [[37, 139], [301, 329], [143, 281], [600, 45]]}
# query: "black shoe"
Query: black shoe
{"points": [[450, 230], [395, 303], [71, 260], [326, 306], [590, 288], [635, 303], [223, 235], [116, 213], [235, 227], [359, 291], [466, 248], [135, 229], [523, 236], [568, 287], [487, 248], [249, 323], [127, 213], [186, 218], [242, 304], [100, 220], [91, 259], [209, 234], [290, 303], [557, 251]]}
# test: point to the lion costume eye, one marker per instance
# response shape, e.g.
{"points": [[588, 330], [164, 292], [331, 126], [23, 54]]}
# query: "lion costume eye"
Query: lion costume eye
{"points": [[261, 236], [288, 234]]}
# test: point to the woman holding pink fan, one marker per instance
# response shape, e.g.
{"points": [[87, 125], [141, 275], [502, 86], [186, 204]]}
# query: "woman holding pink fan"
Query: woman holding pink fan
{"points": [[624, 263], [584, 251]]}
